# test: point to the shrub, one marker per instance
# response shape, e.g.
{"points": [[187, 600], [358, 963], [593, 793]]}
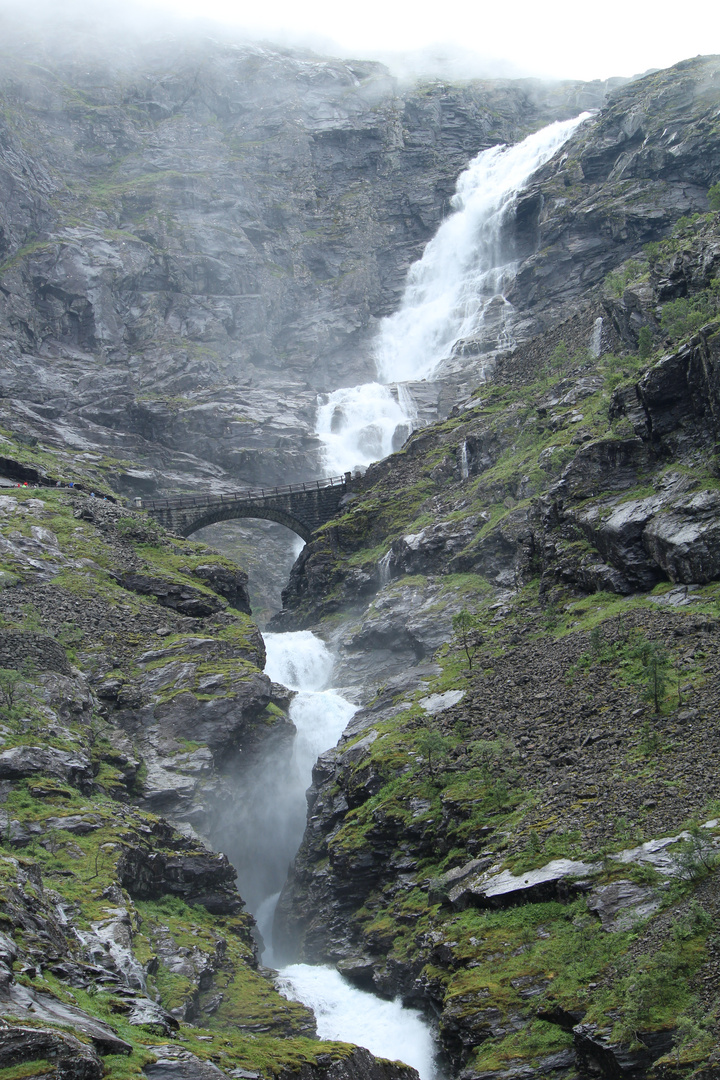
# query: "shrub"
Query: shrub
{"points": [[434, 747], [714, 196], [13, 688], [645, 342], [617, 280], [687, 314], [696, 856], [655, 660]]}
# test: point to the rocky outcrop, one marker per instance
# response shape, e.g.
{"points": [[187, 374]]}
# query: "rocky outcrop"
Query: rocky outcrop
{"points": [[619, 184], [197, 877], [357, 1065], [24, 761], [73, 1059]]}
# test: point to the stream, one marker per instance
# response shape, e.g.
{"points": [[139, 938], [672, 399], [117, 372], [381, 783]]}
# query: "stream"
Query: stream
{"points": [[267, 838]]}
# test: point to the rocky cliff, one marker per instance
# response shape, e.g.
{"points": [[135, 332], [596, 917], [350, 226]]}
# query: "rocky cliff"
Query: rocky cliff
{"points": [[519, 831], [195, 238], [131, 687]]}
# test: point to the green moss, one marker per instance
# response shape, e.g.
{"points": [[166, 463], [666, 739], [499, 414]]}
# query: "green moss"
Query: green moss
{"points": [[28, 1069]]}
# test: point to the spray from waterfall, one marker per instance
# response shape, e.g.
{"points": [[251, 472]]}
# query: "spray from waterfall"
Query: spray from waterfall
{"points": [[456, 289], [265, 823]]}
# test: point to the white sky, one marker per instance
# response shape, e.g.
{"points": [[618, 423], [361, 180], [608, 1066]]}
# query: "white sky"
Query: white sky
{"points": [[561, 38]]}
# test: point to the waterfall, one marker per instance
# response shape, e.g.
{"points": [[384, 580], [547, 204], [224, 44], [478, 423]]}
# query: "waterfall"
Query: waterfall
{"points": [[464, 465], [454, 290], [360, 424], [385, 1028], [384, 567], [596, 338], [263, 839], [465, 269]]}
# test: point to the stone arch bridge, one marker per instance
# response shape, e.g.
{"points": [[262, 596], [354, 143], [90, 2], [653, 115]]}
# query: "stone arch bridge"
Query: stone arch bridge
{"points": [[302, 507]]}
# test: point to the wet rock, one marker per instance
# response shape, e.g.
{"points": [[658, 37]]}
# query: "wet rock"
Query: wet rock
{"points": [[142, 1012], [23, 761], [622, 904], [20, 1003], [557, 880], [73, 1059]]}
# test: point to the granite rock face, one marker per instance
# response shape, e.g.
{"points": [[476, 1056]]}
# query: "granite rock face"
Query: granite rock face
{"points": [[620, 183], [197, 238]]}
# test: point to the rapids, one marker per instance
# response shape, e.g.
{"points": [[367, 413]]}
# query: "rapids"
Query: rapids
{"points": [[268, 836]]}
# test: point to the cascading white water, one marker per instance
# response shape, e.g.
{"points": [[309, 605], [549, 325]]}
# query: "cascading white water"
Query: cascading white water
{"points": [[277, 807], [453, 290], [261, 842], [361, 424], [596, 338], [384, 567], [385, 1028], [464, 463], [465, 268]]}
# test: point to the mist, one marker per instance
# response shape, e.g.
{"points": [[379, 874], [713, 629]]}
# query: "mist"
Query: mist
{"points": [[478, 44]]}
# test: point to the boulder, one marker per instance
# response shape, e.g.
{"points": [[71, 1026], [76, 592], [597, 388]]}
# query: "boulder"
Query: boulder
{"points": [[20, 762], [622, 904], [73, 1059], [557, 880]]}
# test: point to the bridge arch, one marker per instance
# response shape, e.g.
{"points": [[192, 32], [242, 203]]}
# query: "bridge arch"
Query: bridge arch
{"points": [[232, 512], [303, 508]]}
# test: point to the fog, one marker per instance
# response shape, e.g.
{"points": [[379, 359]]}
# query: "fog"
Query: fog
{"points": [[557, 40]]}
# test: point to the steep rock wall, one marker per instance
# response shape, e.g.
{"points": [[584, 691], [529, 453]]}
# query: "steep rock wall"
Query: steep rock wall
{"points": [[197, 237]]}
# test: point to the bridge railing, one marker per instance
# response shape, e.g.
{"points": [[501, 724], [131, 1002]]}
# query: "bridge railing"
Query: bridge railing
{"points": [[182, 502]]}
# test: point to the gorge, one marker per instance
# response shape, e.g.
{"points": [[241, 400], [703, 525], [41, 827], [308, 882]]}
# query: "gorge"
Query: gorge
{"points": [[228, 265]]}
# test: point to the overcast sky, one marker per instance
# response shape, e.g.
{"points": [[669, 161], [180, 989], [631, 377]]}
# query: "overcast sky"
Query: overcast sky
{"points": [[561, 38], [550, 38]]}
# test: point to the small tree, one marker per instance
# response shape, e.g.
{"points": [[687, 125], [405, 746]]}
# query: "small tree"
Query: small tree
{"points": [[559, 358], [465, 628], [434, 747], [12, 688], [645, 342], [655, 660], [714, 196]]}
